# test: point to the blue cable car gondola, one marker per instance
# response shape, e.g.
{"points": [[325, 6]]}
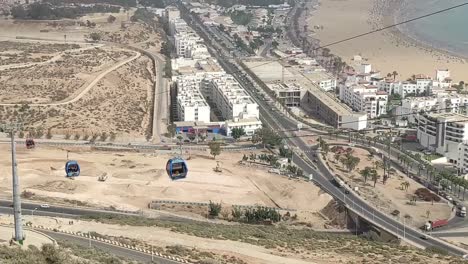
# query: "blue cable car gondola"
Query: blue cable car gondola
{"points": [[176, 168], [72, 168]]}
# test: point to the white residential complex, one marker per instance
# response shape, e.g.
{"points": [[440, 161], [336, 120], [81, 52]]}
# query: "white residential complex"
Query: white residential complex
{"points": [[411, 107], [191, 105], [366, 99], [230, 98], [419, 85], [200, 82], [446, 134]]}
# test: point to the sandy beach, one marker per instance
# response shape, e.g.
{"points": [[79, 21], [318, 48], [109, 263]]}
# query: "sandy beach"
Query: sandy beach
{"points": [[388, 50]]}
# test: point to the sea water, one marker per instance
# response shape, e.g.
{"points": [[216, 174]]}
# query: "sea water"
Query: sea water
{"points": [[446, 31]]}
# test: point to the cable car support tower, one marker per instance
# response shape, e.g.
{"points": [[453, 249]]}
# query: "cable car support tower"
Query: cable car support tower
{"points": [[11, 128]]}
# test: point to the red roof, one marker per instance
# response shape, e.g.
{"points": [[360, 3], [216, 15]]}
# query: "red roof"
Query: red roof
{"points": [[381, 93]]}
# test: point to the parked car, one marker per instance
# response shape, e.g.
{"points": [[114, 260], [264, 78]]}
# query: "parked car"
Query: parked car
{"points": [[45, 206]]}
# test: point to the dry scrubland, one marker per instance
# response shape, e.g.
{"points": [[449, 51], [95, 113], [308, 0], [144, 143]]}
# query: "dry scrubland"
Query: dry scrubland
{"points": [[391, 196], [121, 102], [137, 178], [60, 75], [46, 72], [227, 244]]}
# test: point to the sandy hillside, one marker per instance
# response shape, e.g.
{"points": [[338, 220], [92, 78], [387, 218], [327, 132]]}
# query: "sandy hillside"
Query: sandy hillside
{"points": [[386, 51], [44, 73], [136, 178]]}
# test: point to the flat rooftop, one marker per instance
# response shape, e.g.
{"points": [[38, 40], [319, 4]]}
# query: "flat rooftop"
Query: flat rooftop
{"points": [[450, 117], [317, 76]]}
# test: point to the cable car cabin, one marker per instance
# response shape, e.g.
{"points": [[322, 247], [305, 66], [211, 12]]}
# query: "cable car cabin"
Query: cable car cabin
{"points": [[176, 168], [30, 144], [72, 168]]}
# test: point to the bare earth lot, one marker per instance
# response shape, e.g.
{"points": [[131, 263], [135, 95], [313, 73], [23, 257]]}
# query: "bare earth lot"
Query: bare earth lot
{"points": [[391, 196], [58, 77], [137, 178]]}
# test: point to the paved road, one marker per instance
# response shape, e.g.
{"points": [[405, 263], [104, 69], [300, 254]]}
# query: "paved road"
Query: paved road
{"points": [[112, 249], [450, 234], [279, 122]]}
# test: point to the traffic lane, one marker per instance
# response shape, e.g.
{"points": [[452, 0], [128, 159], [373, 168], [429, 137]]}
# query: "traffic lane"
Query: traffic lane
{"points": [[9, 211], [451, 234], [62, 210], [111, 249]]}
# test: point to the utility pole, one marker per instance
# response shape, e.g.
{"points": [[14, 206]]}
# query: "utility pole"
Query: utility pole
{"points": [[12, 128]]}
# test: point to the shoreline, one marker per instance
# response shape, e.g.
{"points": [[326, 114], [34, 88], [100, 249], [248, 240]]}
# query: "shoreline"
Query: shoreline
{"points": [[387, 50], [406, 34]]}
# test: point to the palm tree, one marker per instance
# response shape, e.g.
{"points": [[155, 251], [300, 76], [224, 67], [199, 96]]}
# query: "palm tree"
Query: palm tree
{"points": [[464, 185], [375, 176], [378, 164], [389, 75], [394, 73], [366, 172], [407, 185], [350, 161]]}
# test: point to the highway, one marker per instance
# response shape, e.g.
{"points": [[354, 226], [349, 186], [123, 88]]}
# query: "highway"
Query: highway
{"points": [[279, 122]]}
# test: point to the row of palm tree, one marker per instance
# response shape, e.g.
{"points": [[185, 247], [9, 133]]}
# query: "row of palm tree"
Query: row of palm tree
{"points": [[444, 178]]}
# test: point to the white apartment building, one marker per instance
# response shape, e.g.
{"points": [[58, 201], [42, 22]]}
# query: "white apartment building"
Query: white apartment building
{"points": [[366, 99], [178, 25], [230, 98], [184, 42], [172, 12], [191, 105], [421, 85], [445, 133], [443, 77], [289, 94], [452, 103], [322, 79]]}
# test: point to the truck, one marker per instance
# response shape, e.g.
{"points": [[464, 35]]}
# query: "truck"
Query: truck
{"points": [[462, 211], [431, 225], [340, 183]]}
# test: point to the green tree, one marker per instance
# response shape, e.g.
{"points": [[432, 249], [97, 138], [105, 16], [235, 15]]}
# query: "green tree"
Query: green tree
{"points": [[394, 73], [375, 176], [21, 134], [214, 209], [215, 148], [236, 213], [237, 132], [366, 173], [171, 130], [350, 161], [266, 136]]}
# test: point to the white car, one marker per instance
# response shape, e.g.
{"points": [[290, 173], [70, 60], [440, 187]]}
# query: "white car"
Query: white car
{"points": [[45, 206]]}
